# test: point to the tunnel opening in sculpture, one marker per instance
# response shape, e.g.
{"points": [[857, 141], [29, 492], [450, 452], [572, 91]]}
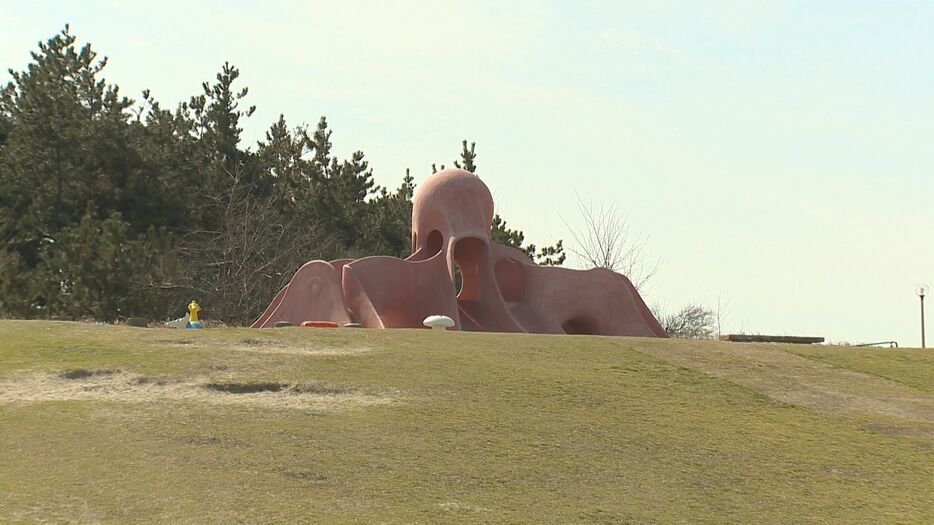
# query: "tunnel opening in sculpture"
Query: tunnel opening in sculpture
{"points": [[469, 255], [434, 243], [471, 259], [580, 325], [457, 270]]}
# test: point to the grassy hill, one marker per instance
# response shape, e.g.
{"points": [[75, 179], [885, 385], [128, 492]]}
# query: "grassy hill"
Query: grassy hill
{"points": [[105, 423]]}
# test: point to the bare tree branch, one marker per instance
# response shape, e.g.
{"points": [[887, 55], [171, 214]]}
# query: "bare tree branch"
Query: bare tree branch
{"points": [[606, 241], [236, 269]]}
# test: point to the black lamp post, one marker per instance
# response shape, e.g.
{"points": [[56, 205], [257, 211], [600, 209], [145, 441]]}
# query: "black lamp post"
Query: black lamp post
{"points": [[922, 290]]}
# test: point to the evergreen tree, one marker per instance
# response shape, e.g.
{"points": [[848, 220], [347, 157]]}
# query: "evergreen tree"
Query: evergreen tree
{"points": [[467, 157], [64, 141], [339, 192], [96, 267], [72, 156], [282, 159], [389, 220], [172, 154], [217, 114]]}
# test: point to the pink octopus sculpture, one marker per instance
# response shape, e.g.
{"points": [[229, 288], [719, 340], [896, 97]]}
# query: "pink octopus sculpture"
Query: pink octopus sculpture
{"points": [[501, 290]]}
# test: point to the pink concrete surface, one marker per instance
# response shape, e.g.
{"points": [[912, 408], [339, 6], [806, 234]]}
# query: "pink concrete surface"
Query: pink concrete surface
{"points": [[501, 290]]}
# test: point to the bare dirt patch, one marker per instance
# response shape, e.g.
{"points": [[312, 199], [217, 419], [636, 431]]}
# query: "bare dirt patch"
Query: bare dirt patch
{"points": [[115, 385], [81, 373], [246, 388], [304, 475]]}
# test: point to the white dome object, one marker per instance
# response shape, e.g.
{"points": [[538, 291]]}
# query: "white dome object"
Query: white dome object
{"points": [[438, 322]]}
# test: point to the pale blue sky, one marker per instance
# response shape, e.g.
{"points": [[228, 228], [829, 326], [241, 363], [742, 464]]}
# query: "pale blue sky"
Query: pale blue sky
{"points": [[780, 154]]}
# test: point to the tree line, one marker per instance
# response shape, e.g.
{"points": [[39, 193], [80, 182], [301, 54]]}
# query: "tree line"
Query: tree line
{"points": [[112, 207]]}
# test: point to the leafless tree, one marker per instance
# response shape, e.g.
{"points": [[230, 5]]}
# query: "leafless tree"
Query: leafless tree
{"points": [[236, 270], [722, 312], [606, 241], [691, 322]]}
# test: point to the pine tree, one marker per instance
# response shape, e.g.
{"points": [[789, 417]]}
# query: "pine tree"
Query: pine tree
{"points": [[218, 114], [389, 220], [282, 159], [467, 157], [339, 189], [60, 145], [71, 155]]}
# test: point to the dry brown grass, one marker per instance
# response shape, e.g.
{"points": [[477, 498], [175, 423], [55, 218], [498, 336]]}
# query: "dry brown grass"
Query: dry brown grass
{"points": [[115, 385]]}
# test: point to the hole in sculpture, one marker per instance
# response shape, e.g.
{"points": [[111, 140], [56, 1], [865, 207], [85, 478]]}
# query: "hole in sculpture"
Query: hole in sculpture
{"points": [[434, 243], [432, 246], [580, 325], [469, 254], [458, 280]]}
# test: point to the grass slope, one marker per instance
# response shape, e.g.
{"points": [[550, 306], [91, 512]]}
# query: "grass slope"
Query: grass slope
{"points": [[102, 423]]}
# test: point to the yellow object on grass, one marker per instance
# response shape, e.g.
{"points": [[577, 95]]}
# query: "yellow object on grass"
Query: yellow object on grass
{"points": [[193, 310]]}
